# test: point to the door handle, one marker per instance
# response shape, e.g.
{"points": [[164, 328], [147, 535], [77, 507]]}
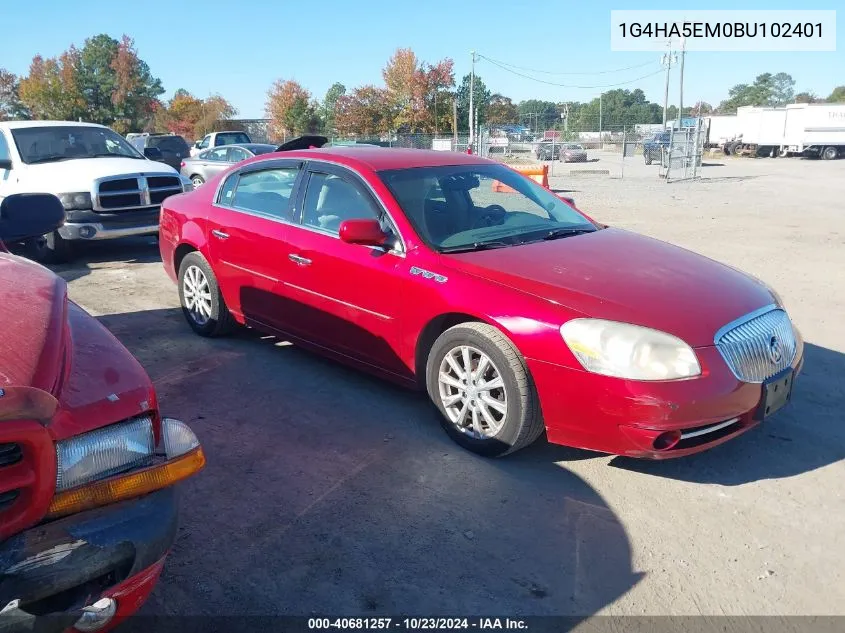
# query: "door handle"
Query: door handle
{"points": [[297, 259], [220, 234]]}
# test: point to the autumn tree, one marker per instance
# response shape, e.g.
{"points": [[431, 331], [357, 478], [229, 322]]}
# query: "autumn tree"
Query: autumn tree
{"points": [[51, 90], [10, 102], [290, 109], [365, 111], [192, 117], [501, 110], [434, 83], [136, 91]]}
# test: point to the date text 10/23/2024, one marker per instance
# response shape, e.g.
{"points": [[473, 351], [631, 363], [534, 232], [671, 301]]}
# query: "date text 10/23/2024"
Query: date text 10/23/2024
{"points": [[417, 624]]}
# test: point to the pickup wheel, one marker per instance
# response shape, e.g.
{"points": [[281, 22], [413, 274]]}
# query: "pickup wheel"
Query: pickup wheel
{"points": [[201, 299], [49, 249], [481, 386]]}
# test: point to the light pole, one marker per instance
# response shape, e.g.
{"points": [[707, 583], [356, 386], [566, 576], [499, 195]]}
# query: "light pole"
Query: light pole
{"points": [[471, 95]]}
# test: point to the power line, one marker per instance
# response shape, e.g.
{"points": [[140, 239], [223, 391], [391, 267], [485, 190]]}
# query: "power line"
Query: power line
{"points": [[549, 72], [552, 83]]}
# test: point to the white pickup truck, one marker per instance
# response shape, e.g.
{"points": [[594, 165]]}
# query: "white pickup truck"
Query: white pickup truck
{"points": [[109, 190]]}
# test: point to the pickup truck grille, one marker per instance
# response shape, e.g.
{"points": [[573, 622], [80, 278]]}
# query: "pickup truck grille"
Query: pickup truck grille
{"points": [[129, 193], [9, 454]]}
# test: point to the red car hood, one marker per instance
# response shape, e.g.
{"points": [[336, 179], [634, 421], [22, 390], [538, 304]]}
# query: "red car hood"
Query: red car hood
{"points": [[622, 276], [51, 344]]}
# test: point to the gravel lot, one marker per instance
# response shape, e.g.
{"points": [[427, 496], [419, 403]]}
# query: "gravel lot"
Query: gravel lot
{"points": [[329, 492]]}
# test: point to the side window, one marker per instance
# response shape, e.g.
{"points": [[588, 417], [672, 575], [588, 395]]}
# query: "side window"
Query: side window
{"points": [[330, 199], [237, 154], [4, 148], [227, 191], [267, 192], [205, 141], [218, 155]]}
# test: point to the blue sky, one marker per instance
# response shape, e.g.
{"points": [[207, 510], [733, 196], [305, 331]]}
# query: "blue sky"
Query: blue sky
{"points": [[239, 49]]}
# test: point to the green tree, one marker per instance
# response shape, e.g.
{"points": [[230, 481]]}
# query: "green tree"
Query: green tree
{"points": [[538, 114], [481, 97], [767, 90], [806, 97], [837, 96], [327, 108], [10, 101]]}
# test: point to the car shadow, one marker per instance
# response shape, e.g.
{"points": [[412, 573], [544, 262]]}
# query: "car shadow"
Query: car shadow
{"points": [[801, 438], [328, 491]]}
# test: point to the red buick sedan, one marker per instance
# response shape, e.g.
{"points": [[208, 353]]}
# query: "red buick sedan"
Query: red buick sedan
{"points": [[513, 309]]}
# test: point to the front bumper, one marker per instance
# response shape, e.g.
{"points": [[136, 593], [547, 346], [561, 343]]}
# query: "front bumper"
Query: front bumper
{"points": [[623, 417], [92, 226], [55, 569]]}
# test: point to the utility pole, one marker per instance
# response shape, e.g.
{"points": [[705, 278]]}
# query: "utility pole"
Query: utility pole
{"points": [[471, 99], [601, 94], [666, 61], [681, 98], [455, 123]]}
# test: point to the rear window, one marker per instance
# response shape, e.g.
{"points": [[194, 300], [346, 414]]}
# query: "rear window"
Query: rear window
{"points": [[231, 138], [168, 143]]}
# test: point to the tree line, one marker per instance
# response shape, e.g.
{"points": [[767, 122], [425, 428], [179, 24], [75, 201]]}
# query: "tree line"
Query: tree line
{"points": [[106, 81]]}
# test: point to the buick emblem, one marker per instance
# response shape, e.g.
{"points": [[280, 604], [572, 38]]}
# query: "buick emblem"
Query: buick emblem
{"points": [[775, 349]]}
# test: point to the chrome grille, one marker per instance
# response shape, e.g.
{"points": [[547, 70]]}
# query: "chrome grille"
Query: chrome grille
{"points": [[129, 192], [758, 346]]}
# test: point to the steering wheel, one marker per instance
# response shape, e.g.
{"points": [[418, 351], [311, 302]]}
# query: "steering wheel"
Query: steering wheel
{"points": [[492, 215]]}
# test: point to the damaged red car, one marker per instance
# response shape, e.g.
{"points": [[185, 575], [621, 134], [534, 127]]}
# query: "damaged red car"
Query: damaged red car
{"points": [[517, 312], [88, 511]]}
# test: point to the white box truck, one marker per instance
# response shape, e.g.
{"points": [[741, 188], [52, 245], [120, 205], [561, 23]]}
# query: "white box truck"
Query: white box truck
{"points": [[815, 129], [760, 131], [721, 129]]}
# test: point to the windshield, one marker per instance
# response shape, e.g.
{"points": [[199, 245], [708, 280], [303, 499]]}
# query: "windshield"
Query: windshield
{"points": [[54, 143], [175, 144], [477, 206], [231, 138]]}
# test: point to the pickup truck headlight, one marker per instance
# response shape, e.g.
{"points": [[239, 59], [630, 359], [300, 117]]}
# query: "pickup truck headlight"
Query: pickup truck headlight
{"points": [[121, 462], [629, 351], [71, 201]]}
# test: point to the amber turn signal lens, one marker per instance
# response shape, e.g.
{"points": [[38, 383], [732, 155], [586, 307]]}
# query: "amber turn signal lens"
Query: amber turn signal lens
{"points": [[126, 486]]}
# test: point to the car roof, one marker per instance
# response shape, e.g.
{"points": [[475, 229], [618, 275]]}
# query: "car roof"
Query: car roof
{"points": [[382, 158], [14, 125], [250, 146]]}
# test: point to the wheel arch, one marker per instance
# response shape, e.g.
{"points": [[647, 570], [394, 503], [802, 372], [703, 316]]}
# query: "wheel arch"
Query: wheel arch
{"points": [[182, 251]]}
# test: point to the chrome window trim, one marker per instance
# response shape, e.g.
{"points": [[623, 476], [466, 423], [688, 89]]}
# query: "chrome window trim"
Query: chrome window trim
{"points": [[304, 167], [743, 319]]}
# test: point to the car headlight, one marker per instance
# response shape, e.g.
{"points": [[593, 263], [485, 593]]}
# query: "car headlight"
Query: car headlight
{"points": [[104, 452], [70, 201], [187, 185], [629, 351]]}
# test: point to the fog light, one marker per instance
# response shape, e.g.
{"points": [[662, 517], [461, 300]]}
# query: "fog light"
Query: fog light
{"points": [[667, 440], [87, 232], [97, 615]]}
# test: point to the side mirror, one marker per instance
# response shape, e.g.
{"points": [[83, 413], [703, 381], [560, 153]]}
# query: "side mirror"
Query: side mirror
{"points": [[367, 232], [153, 153], [27, 215], [5, 163]]}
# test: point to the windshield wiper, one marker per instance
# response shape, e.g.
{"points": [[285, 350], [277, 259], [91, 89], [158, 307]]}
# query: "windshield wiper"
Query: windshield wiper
{"points": [[475, 246], [51, 159], [558, 233]]}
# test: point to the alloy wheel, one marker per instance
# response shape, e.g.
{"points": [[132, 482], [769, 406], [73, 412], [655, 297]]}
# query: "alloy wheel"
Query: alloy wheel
{"points": [[197, 294], [472, 392]]}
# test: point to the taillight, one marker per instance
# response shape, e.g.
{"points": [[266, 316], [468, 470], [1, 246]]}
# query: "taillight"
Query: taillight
{"points": [[182, 164]]}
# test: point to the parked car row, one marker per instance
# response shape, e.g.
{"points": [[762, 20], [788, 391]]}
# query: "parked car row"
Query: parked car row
{"points": [[549, 149], [515, 312]]}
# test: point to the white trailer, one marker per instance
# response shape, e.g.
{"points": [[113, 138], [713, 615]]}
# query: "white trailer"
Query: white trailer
{"points": [[815, 129], [760, 131], [721, 129]]}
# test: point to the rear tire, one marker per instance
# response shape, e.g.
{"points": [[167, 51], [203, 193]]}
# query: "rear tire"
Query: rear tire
{"points": [[830, 153], [201, 299], [497, 409], [51, 248], [197, 181]]}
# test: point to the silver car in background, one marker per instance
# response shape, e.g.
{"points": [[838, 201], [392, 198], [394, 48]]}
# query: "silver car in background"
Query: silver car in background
{"points": [[211, 162]]}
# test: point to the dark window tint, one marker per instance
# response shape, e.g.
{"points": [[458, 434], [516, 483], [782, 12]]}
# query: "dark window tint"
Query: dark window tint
{"points": [[175, 144], [231, 138], [330, 199], [266, 192]]}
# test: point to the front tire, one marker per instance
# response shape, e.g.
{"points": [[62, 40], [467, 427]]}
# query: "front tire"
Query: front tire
{"points": [[481, 386], [201, 299], [51, 248], [829, 153]]}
